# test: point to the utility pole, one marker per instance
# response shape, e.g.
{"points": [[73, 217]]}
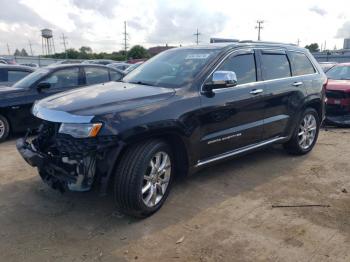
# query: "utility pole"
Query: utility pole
{"points": [[125, 41], [298, 42], [64, 43], [30, 47], [259, 27], [8, 49], [197, 34]]}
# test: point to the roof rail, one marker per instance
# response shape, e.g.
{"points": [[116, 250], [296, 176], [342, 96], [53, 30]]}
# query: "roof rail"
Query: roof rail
{"points": [[264, 42]]}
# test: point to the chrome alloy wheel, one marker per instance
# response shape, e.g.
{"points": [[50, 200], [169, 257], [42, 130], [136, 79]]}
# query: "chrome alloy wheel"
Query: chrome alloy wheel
{"points": [[2, 128], [307, 131], [156, 179]]}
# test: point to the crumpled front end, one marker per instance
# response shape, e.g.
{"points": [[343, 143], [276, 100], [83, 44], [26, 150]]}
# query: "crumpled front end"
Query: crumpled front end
{"points": [[338, 107], [69, 163]]}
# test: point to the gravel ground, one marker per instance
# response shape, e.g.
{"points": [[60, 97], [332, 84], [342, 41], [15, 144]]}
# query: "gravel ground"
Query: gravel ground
{"points": [[222, 213]]}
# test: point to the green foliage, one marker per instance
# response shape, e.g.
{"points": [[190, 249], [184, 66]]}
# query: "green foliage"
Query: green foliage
{"points": [[85, 49], [17, 53], [138, 52], [85, 52], [313, 47], [23, 52]]}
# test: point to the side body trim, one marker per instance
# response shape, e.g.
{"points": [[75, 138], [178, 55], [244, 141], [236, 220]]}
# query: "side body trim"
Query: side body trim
{"points": [[239, 151]]}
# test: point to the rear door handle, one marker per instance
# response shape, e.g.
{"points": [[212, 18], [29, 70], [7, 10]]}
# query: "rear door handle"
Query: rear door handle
{"points": [[298, 83], [256, 91]]}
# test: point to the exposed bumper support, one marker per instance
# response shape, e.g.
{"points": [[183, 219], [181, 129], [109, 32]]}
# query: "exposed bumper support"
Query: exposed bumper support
{"points": [[29, 155], [75, 174]]}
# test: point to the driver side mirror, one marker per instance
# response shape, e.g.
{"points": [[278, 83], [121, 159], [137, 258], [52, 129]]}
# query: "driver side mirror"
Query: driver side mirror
{"points": [[43, 85], [221, 79]]}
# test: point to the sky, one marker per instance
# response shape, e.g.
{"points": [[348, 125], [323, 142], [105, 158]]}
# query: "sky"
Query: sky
{"points": [[100, 23]]}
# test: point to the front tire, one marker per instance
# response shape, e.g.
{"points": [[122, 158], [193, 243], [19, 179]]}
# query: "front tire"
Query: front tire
{"points": [[4, 128], [305, 134], [143, 178]]}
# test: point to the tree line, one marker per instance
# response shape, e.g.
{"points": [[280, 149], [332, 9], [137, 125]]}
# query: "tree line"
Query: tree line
{"points": [[85, 52]]}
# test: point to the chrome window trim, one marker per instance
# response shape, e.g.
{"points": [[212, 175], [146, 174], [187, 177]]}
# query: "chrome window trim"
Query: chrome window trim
{"points": [[216, 67], [220, 90]]}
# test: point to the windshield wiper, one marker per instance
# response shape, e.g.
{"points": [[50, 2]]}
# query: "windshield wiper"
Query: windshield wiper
{"points": [[141, 83]]}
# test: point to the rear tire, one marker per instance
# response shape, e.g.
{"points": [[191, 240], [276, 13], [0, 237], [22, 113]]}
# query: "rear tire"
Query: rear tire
{"points": [[143, 178], [305, 134], [4, 128]]}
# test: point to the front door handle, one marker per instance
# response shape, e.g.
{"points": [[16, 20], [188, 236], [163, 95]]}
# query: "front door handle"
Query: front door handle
{"points": [[256, 91], [298, 83]]}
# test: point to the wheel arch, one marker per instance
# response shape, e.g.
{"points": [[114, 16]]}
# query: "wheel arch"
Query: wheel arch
{"points": [[4, 113], [315, 103], [177, 142]]}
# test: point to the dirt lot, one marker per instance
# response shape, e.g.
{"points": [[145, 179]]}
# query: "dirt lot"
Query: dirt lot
{"points": [[223, 213]]}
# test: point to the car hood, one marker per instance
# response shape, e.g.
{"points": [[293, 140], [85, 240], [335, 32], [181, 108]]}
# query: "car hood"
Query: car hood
{"points": [[339, 85], [103, 98]]}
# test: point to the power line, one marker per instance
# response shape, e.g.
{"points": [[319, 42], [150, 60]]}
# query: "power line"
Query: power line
{"points": [[8, 49], [125, 40], [64, 43], [30, 47], [259, 27], [197, 34]]}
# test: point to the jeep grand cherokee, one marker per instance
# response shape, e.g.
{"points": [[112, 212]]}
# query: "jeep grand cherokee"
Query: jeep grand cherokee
{"points": [[180, 111]]}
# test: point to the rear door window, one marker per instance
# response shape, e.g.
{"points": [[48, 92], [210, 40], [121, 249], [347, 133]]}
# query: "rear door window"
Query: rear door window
{"points": [[275, 66], [301, 65], [96, 75], [243, 65], [15, 75], [3, 75]]}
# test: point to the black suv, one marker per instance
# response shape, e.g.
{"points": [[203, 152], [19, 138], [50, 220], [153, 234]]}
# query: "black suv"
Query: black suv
{"points": [[16, 101], [182, 110]]}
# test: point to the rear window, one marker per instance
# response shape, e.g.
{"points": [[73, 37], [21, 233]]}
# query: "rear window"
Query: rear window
{"points": [[301, 65], [341, 72], [275, 66]]}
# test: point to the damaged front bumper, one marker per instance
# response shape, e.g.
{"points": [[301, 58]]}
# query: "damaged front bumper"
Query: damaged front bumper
{"points": [[65, 163]]}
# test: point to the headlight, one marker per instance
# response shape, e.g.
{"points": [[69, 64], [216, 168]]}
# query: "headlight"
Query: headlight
{"points": [[80, 130]]}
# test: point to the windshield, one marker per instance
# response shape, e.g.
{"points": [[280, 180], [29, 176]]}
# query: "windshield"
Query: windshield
{"points": [[30, 79], [339, 73], [172, 68]]}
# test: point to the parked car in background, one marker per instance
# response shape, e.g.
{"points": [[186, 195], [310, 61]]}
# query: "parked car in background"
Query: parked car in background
{"points": [[9, 61], [327, 65], [16, 101], [34, 65], [10, 74], [338, 95], [120, 66], [99, 62], [182, 110], [65, 62], [132, 67]]}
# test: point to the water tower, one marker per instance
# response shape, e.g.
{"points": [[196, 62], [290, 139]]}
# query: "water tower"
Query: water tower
{"points": [[48, 45]]}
